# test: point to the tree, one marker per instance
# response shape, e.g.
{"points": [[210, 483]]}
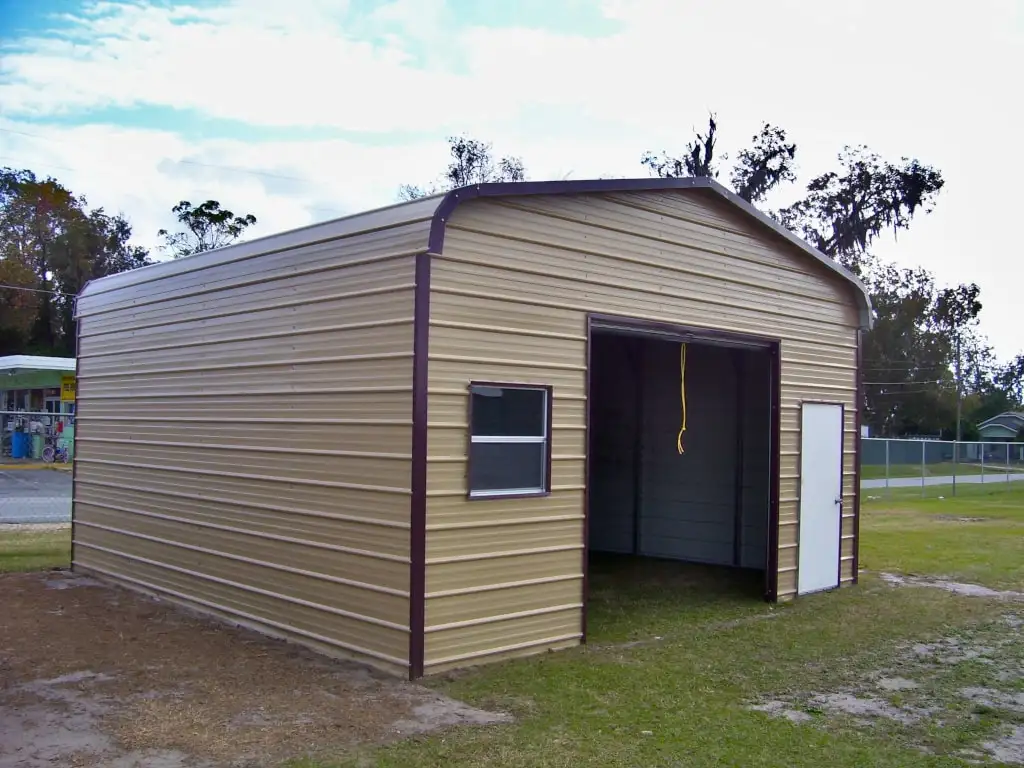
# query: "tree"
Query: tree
{"points": [[956, 309], [844, 211], [767, 163], [51, 244], [1010, 380], [907, 381], [697, 160], [207, 226], [472, 162]]}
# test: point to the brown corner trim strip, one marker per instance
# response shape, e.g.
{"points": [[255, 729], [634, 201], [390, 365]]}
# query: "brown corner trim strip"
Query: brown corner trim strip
{"points": [[418, 505]]}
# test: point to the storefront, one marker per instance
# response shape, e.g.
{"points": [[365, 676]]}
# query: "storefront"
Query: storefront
{"points": [[37, 404]]}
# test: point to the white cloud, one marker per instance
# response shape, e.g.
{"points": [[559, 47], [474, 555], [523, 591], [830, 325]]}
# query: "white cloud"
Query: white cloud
{"points": [[934, 84]]}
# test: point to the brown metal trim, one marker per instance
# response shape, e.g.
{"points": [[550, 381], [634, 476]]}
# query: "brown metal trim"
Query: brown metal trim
{"points": [[549, 423], [418, 484], [772, 569], [454, 198], [679, 333], [586, 488], [858, 421]]}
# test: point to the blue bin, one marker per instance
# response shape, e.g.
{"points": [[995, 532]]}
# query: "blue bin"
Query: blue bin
{"points": [[20, 443]]}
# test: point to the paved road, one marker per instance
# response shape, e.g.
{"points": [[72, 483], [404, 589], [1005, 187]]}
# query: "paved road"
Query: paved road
{"points": [[35, 496], [915, 482]]}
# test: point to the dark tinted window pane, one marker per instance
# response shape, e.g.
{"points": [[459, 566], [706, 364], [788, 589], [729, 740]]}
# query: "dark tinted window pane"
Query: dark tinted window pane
{"points": [[504, 412], [507, 466]]}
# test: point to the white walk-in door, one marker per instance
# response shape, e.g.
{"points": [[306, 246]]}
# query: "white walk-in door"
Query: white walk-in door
{"points": [[821, 492]]}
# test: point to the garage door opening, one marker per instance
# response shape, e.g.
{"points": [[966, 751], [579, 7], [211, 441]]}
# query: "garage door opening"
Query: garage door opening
{"points": [[667, 517]]}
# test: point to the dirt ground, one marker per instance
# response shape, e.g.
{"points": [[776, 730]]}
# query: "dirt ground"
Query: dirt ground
{"points": [[971, 683], [92, 675]]}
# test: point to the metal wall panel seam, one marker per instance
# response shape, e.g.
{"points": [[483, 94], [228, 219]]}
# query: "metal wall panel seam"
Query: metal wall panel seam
{"points": [[509, 299], [677, 267], [461, 591], [433, 628], [506, 649], [265, 478], [255, 449], [320, 268], [261, 564], [371, 521], [231, 529], [398, 288], [502, 554], [192, 599], [373, 357], [769, 308], [310, 331], [252, 589]]}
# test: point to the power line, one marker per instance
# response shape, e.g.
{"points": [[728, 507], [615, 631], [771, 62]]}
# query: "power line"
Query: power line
{"points": [[33, 290]]}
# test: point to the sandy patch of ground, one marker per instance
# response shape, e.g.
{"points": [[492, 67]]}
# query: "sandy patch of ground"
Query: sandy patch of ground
{"points": [[97, 676], [972, 683], [966, 590]]}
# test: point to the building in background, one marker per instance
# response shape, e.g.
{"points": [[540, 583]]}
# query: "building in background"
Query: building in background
{"points": [[37, 384], [1003, 428], [37, 407]]}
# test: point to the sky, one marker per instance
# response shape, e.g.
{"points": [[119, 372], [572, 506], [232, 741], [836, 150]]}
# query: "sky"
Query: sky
{"points": [[305, 110]]}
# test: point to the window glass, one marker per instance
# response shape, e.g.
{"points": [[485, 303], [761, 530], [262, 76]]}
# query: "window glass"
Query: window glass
{"points": [[508, 412], [509, 444], [508, 467]]}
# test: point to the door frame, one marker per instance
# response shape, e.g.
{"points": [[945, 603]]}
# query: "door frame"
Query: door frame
{"points": [[637, 327], [842, 489]]}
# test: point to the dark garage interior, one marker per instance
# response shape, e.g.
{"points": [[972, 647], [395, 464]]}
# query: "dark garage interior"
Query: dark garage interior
{"points": [[709, 505]]}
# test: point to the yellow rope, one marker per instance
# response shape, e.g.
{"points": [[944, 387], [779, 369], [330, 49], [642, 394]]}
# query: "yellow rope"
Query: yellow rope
{"points": [[682, 395]]}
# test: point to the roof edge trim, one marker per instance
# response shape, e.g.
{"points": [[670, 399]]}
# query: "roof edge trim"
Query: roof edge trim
{"points": [[457, 197]]}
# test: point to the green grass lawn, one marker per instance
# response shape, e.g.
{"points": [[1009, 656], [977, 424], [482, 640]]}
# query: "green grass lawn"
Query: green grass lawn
{"points": [[34, 550], [977, 536], [940, 469]]}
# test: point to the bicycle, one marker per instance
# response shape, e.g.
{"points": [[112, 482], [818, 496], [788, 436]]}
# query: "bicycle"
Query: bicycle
{"points": [[53, 451]]}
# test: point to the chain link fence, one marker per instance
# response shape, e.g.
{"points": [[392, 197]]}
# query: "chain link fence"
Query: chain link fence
{"points": [[938, 468], [35, 481], [36, 453]]}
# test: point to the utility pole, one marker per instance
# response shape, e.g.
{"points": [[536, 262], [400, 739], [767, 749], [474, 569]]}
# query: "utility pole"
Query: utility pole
{"points": [[959, 390]]}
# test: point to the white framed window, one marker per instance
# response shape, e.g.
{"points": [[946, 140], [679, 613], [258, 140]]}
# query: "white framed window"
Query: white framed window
{"points": [[509, 444]]}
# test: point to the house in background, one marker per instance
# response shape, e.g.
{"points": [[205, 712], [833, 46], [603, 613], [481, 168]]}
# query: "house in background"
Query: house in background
{"points": [[34, 384], [1003, 428]]}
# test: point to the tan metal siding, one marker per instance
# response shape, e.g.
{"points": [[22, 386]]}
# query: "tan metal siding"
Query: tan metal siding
{"points": [[245, 438], [509, 300]]}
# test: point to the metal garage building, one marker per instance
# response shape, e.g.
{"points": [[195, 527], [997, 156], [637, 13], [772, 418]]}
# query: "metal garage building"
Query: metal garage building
{"points": [[393, 436]]}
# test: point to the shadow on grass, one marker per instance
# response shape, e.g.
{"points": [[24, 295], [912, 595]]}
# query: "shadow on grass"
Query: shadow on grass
{"points": [[634, 598]]}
